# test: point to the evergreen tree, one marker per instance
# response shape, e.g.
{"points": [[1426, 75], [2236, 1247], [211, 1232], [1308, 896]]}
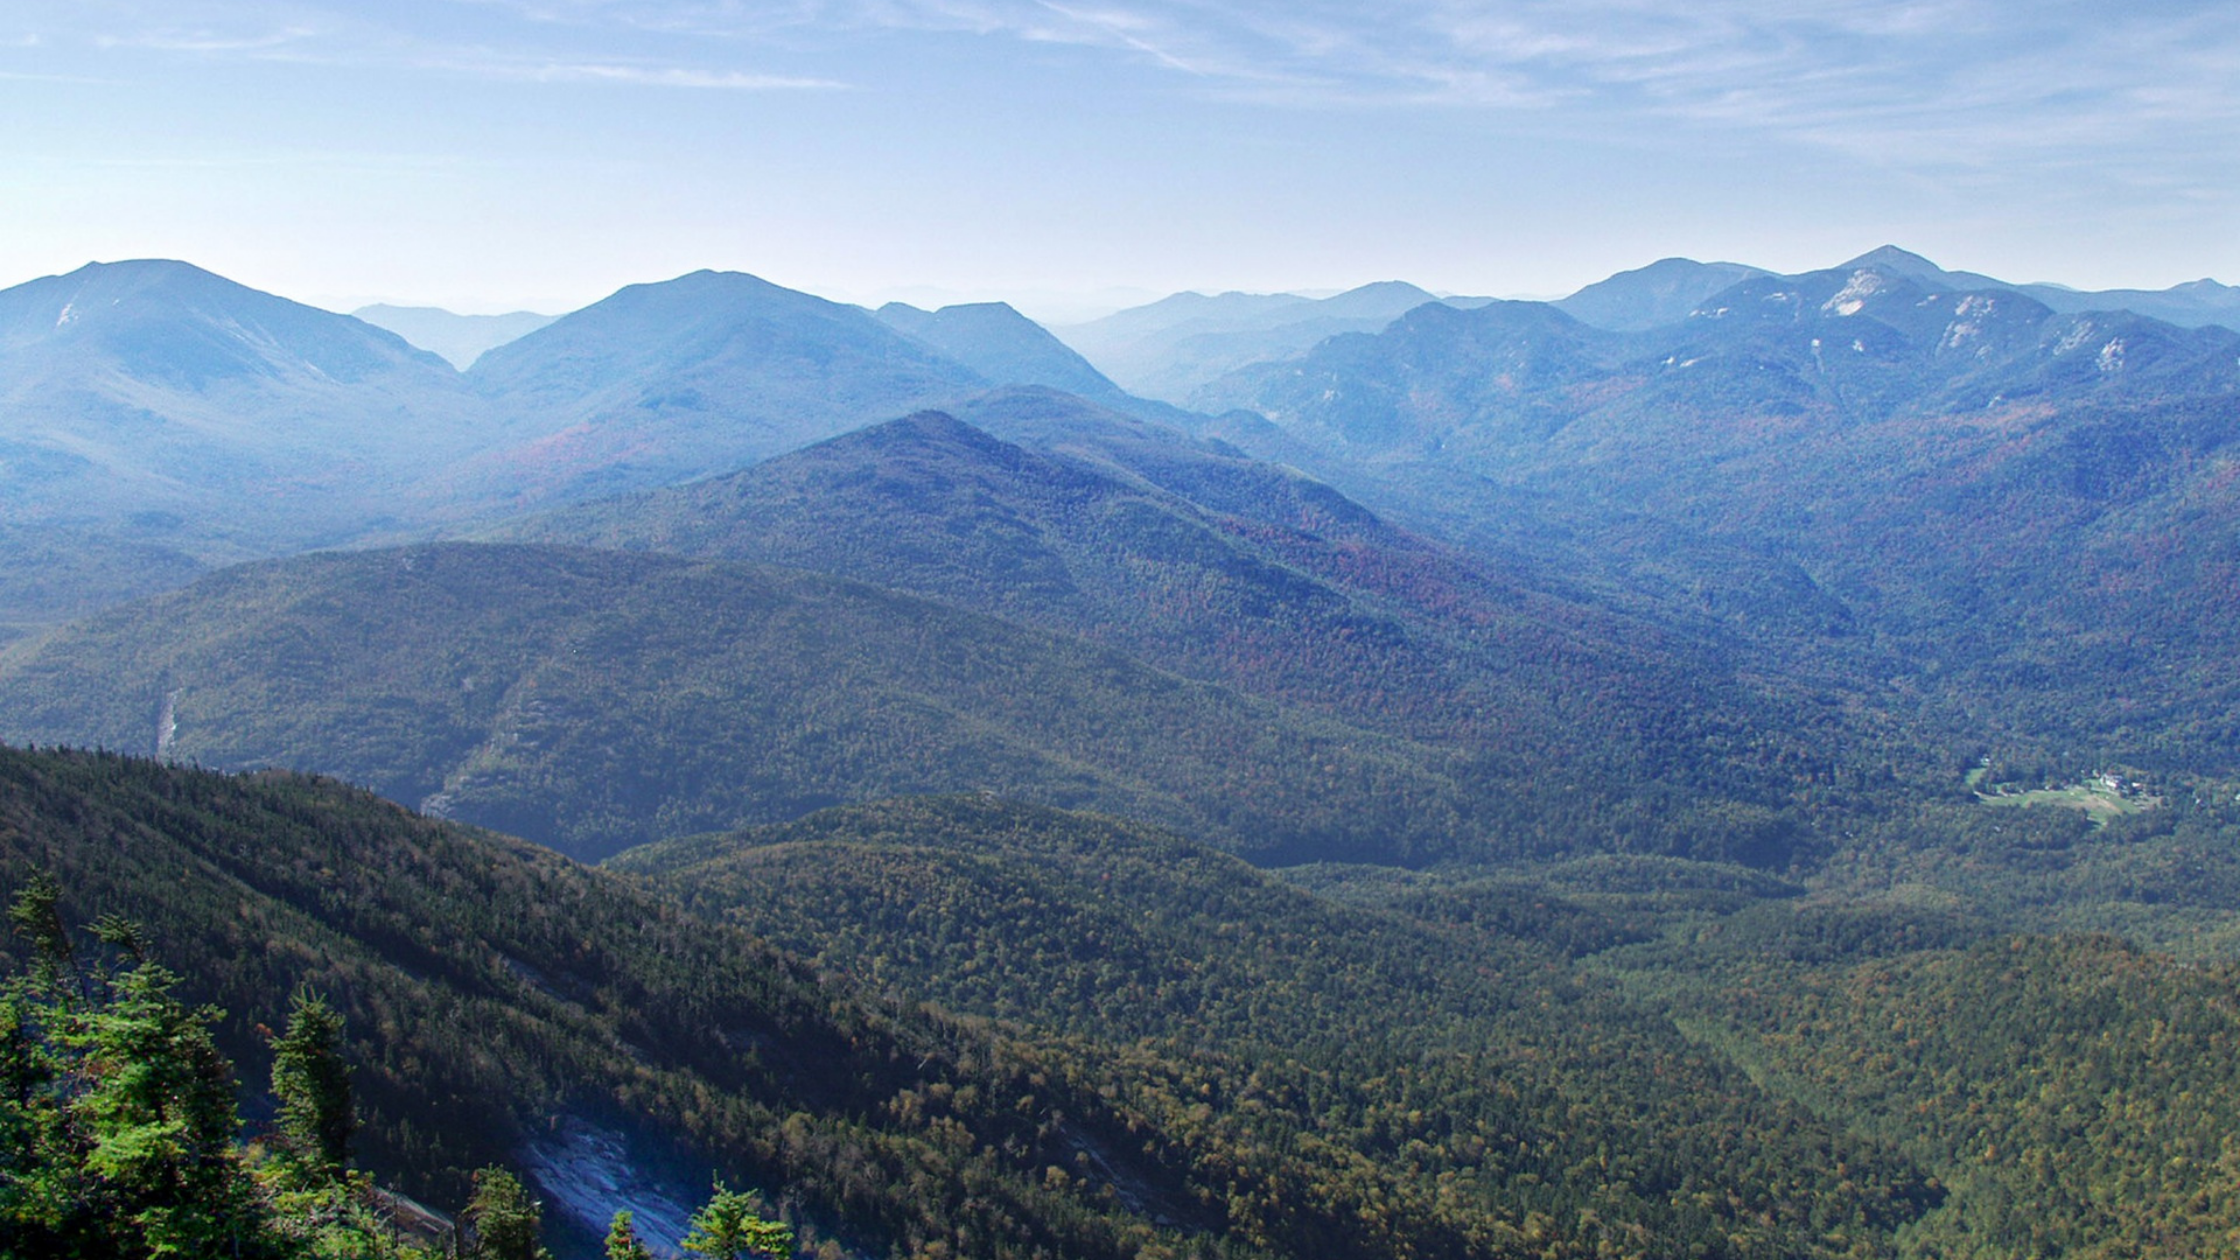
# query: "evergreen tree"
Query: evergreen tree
{"points": [[623, 1242], [116, 1109], [36, 915], [731, 1228], [312, 1084], [117, 1119], [154, 1103], [504, 1222]]}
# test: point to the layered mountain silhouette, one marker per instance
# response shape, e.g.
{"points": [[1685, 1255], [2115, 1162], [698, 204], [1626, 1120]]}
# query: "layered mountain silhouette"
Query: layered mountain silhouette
{"points": [[1667, 291], [460, 339], [1658, 716], [151, 406], [1968, 468], [1637, 497], [701, 374], [1001, 345], [1166, 350], [1236, 573], [1240, 574]]}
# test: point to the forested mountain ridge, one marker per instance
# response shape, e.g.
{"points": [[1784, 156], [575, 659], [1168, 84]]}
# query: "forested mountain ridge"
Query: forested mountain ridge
{"points": [[1301, 1077], [2075, 1095], [593, 700], [2065, 1095], [1281, 588]]}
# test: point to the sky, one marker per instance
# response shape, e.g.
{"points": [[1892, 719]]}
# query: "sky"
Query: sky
{"points": [[489, 155]]}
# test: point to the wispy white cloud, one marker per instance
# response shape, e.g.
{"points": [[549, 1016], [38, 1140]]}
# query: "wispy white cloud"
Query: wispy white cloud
{"points": [[1967, 77], [312, 32], [210, 40], [1947, 80], [628, 73]]}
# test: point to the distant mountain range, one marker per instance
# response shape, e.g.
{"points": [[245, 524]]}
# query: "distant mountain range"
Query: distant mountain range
{"points": [[151, 407], [1175, 348], [2022, 503]]}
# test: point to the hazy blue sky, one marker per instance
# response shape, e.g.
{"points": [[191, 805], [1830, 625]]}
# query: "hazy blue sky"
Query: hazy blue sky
{"points": [[493, 153]]}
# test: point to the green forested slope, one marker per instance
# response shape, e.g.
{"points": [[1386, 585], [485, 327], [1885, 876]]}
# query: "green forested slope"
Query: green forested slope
{"points": [[496, 994], [1329, 607], [593, 700], [2078, 1097], [1466, 1076], [1583, 726]]}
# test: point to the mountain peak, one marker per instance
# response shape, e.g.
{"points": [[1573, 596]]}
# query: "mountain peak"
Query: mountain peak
{"points": [[1898, 261], [1000, 344], [1664, 292], [166, 279]]}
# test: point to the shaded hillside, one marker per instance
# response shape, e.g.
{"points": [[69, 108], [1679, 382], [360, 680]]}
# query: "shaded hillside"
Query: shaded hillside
{"points": [[505, 1004], [179, 409], [2018, 505], [54, 574], [1259, 579], [688, 377], [592, 700], [1422, 1071]]}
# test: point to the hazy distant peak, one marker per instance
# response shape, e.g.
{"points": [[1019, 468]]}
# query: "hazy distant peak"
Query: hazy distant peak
{"points": [[188, 325], [387, 309], [1386, 299], [459, 338], [1904, 262], [1663, 292], [999, 343], [166, 278]]}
